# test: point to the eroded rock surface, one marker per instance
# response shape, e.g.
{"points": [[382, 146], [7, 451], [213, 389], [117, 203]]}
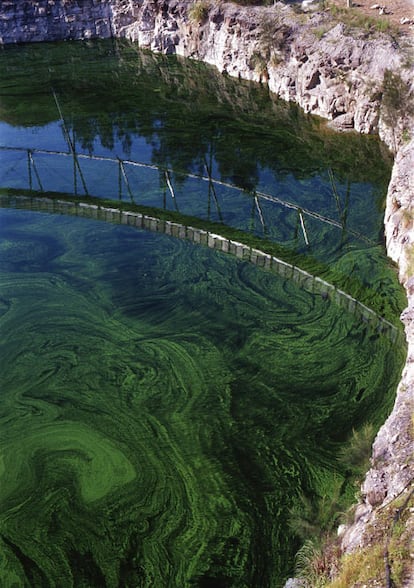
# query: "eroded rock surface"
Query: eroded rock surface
{"points": [[313, 62]]}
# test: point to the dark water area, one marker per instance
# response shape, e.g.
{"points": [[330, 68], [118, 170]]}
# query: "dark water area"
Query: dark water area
{"points": [[164, 407]]}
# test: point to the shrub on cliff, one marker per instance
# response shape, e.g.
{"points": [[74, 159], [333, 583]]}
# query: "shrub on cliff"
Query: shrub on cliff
{"points": [[198, 11], [397, 105]]}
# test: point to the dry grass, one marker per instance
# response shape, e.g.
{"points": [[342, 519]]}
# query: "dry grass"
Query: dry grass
{"points": [[391, 544], [198, 11], [354, 19], [362, 567]]}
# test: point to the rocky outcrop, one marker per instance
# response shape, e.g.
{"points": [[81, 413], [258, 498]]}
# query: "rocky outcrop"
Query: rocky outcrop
{"points": [[310, 61], [399, 217], [328, 72], [51, 20], [313, 63]]}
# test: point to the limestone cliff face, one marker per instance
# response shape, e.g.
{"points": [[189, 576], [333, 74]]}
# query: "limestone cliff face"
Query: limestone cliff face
{"points": [[334, 75], [24, 21], [308, 60], [328, 72]]}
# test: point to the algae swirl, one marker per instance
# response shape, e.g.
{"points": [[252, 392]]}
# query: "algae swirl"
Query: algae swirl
{"points": [[162, 405]]}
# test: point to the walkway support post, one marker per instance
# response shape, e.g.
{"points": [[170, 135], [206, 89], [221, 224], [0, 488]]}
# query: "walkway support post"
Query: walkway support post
{"points": [[32, 163], [171, 189], [70, 144], [302, 223], [124, 175]]}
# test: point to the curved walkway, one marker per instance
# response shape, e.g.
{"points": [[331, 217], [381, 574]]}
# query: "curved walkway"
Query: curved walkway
{"points": [[209, 239]]}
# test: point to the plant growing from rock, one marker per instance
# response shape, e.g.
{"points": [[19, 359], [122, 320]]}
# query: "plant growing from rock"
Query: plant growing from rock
{"points": [[254, 2], [273, 35], [397, 105], [310, 565], [259, 63], [198, 11], [385, 560], [355, 21], [319, 32], [315, 520], [356, 454]]}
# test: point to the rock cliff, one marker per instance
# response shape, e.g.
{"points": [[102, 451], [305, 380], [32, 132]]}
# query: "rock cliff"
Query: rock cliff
{"points": [[329, 71], [311, 61]]}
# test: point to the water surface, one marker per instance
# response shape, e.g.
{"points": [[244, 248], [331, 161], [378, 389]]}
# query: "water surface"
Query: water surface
{"points": [[163, 406]]}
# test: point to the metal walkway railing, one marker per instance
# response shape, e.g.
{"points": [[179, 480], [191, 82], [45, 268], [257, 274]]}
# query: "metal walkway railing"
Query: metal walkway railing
{"points": [[258, 197]]}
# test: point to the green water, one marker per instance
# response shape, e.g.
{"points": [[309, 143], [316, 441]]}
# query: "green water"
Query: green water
{"points": [[162, 405]]}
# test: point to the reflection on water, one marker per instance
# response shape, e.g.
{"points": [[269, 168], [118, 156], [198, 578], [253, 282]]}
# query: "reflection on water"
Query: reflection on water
{"points": [[164, 405], [185, 117]]}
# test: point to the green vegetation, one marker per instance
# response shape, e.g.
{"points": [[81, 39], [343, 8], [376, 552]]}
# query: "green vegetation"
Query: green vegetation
{"points": [[357, 452], [386, 560], [312, 520], [176, 411], [352, 18], [410, 259], [254, 2], [315, 563], [273, 37], [260, 65], [355, 20], [397, 104], [198, 11], [319, 561], [319, 32], [316, 520]]}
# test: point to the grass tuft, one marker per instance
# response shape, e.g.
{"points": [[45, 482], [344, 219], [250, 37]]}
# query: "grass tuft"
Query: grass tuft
{"points": [[198, 11]]}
